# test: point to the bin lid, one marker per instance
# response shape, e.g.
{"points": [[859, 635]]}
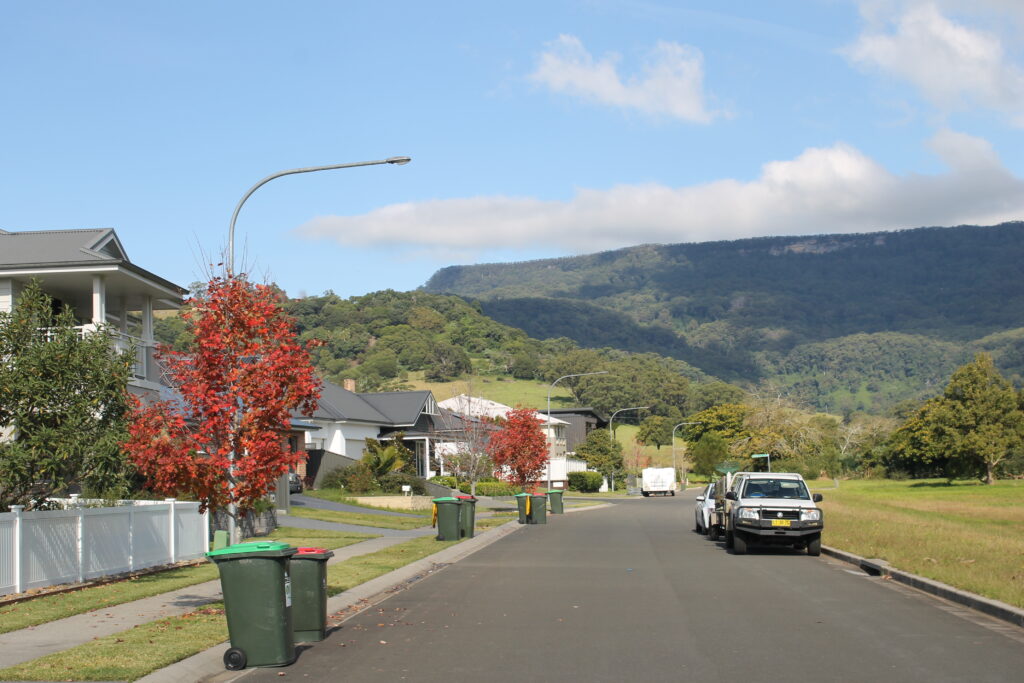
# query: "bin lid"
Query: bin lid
{"points": [[469, 498], [446, 499], [257, 547], [313, 554], [539, 495], [520, 495], [550, 491]]}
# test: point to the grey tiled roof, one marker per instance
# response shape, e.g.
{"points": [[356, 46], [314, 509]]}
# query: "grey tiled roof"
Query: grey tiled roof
{"points": [[58, 246], [337, 403], [401, 407]]}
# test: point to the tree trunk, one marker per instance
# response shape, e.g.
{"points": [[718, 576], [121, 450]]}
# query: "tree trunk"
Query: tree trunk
{"points": [[989, 473]]}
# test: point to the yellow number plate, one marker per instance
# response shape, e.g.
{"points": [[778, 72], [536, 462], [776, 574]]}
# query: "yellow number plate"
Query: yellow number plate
{"points": [[780, 522]]}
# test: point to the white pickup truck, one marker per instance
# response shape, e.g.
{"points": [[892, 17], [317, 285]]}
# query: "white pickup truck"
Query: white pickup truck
{"points": [[660, 480], [771, 508]]}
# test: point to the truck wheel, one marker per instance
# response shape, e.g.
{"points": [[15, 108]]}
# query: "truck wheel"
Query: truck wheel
{"points": [[814, 546], [739, 544], [696, 526], [730, 538], [645, 493], [713, 532], [673, 494]]}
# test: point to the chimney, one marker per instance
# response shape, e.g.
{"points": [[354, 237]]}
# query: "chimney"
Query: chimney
{"points": [[349, 385]]}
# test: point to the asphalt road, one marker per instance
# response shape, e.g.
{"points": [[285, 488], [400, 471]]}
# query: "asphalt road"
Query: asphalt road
{"points": [[630, 591]]}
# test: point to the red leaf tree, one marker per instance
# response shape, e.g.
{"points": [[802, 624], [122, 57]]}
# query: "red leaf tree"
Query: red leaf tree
{"points": [[519, 450], [243, 375]]}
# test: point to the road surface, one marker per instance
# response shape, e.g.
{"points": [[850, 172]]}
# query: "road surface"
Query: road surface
{"points": [[630, 592]]}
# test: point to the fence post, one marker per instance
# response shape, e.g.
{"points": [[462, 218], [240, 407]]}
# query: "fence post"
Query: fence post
{"points": [[79, 540], [131, 537], [170, 530], [207, 533], [19, 579]]}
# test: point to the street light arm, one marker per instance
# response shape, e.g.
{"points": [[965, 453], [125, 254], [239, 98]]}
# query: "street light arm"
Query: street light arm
{"points": [[549, 427], [397, 161]]}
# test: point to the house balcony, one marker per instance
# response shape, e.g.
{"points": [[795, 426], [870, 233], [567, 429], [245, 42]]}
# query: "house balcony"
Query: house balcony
{"points": [[143, 369]]}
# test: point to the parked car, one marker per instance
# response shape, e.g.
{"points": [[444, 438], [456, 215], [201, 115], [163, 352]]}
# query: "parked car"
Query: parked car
{"points": [[294, 483], [704, 512]]}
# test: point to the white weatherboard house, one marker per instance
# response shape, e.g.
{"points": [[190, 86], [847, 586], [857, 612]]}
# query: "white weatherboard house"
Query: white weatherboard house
{"points": [[89, 270], [559, 464]]}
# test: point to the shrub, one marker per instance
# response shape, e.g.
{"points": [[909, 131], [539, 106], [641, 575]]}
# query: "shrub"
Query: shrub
{"points": [[492, 488], [450, 482], [585, 482], [353, 479], [394, 481]]}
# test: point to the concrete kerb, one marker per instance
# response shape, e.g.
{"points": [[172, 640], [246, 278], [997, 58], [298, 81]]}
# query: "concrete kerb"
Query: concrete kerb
{"points": [[208, 666], [875, 567]]}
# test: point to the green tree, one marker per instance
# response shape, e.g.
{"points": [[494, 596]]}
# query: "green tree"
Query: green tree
{"points": [[655, 431], [63, 403], [447, 362], [974, 426], [380, 459], [708, 453], [602, 453]]}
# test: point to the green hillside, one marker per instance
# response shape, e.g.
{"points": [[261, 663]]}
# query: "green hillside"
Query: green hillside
{"points": [[849, 322]]}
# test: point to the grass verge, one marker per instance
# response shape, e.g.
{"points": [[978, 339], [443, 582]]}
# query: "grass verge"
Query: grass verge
{"points": [[369, 519], [966, 535], [339, 496], [132, 654], [47, 608]]}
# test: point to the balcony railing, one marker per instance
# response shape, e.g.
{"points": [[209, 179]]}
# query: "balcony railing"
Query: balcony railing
{"points": [[122, 342]]}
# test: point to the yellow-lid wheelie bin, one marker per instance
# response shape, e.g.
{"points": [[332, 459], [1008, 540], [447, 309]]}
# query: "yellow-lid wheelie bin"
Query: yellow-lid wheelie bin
{"points": [[446, 518], [467, 516], [256, 581], [538, 509], [309, 594]]}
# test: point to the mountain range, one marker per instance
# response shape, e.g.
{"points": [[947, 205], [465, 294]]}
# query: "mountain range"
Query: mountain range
{"points": [[841, 322]]}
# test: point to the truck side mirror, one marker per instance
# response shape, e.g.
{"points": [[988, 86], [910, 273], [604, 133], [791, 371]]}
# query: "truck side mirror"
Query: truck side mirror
{"points": [[731, 495], [700, 499], [816, 498]]}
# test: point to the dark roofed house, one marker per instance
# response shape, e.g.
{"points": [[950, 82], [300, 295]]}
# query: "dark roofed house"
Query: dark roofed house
{"points": [[89, 271], [344, 420]]}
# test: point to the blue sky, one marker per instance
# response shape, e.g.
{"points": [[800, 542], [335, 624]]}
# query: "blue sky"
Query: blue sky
{"points": [[536, 128]]}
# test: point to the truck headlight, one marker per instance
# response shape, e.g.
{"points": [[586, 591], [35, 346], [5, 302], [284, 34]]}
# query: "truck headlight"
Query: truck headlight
{"points": [[812, 515], [748, 513]]}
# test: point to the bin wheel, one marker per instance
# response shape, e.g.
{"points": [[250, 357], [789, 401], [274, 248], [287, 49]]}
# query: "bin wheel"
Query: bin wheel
{"points": [[234, 659]]}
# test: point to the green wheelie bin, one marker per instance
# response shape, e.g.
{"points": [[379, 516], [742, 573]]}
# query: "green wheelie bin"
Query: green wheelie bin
{"points": [[309, 594], [538, 509], [523, 503], [555, 496], [446, 518], [467, 516], [256, 581]]}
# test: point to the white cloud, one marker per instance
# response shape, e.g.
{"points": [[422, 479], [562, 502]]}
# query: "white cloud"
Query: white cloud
{"points": [[672, 82], [952, 65], [823, 190]]}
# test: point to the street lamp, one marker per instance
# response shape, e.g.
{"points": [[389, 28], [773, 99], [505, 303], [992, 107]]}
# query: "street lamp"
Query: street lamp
{"points": [[551, 429], [611, 432], [395, 161], [674, 444]]}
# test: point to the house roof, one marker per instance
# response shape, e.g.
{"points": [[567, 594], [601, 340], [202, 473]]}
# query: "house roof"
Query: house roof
{"points": [[580, 411], [391, 409], [90, 247], [477, 406], [401, 407]]}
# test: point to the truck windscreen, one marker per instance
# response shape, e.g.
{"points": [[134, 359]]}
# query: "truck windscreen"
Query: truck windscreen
{"points": [[791, 489]]}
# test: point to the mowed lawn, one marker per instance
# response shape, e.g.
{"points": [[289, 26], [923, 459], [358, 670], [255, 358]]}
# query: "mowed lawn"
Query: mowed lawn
{"points": [[967, 535]]}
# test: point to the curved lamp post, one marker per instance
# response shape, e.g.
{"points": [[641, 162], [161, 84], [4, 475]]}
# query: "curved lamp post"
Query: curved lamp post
{"points": [[395, 161], [550, 426], [611, 432], [674, 443]]}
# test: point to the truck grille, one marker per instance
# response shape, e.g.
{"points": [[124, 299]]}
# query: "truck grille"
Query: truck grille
{"points": [[767, 513]]}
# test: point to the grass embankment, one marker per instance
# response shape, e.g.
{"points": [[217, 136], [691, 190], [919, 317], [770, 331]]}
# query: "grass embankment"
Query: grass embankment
{"points": [[132, 654], [360, 519], [47, 608], [967, 535], [341, 496]]}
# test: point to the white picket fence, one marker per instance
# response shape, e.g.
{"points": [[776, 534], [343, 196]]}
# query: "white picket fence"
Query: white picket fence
{"points": [[48, 547]]}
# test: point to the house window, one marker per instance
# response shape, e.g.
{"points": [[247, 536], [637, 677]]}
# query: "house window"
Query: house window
{"points": [[430, 408]]}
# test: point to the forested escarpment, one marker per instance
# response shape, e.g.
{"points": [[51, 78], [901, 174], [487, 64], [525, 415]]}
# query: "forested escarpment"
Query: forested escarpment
{"points": [[852, 322]]}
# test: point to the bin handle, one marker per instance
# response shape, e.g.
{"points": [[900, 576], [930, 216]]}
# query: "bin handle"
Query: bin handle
{"points": [[433, 518], [528, 507]]}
